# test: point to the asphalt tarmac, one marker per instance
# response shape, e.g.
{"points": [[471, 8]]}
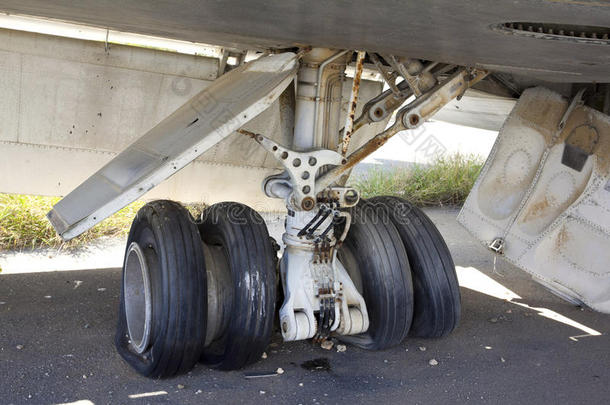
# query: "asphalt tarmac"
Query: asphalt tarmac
{"points": [[516, 343]]}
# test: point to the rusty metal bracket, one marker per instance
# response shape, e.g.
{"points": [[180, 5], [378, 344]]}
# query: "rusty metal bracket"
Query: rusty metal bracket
{"points": [[410, 117], [412, 80], [380, 107], [390, 79]]}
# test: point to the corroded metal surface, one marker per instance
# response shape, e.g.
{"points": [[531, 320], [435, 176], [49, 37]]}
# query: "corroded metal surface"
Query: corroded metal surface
{"points": [[348, 129], [410, 117]]}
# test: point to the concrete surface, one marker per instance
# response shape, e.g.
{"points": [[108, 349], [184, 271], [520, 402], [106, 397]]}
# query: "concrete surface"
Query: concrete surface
{"points": [[517, 343]]}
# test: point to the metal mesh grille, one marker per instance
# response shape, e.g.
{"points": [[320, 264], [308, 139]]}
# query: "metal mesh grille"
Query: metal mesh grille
{"points": [[572, 33]]}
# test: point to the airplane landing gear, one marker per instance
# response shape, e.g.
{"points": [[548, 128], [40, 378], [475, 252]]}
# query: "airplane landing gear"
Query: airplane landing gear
{"points": [[377, 262], [367, 272]]}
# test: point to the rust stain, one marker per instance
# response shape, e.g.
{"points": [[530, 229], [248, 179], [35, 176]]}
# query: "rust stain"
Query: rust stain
{"points": [[544, 111], [393, 102], [349, 128], [538, 210], [368, 148], [247, 133], [584, 137], [562, 240]]}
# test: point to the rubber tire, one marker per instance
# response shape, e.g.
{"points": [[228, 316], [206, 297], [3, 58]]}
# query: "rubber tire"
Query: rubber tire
{"points": [[242, 233], [435, 283], [384, 277], [178, 288]]}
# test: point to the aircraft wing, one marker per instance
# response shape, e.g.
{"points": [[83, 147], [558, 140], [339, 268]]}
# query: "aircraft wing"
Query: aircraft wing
{"points": [[491, 34]]}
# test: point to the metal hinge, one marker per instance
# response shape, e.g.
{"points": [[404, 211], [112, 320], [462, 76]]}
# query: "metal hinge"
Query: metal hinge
{"points": [[497, 245]]}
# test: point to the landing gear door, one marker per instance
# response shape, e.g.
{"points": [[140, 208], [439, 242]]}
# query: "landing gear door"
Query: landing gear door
{"points": [[543, 197], [206, 119]]}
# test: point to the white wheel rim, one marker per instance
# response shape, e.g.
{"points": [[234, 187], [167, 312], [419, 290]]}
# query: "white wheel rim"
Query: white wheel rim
{"points": [[137, 296]]}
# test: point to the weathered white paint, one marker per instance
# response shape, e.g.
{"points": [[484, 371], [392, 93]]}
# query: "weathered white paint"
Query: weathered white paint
{"points": [[68, 107], [203, 121], [553, 218]]}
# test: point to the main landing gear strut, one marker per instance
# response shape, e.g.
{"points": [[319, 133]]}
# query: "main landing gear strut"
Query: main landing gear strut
{"points": [[368, 272]]}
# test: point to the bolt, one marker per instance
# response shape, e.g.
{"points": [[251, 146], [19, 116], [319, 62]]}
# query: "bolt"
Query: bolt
{"points": [[414, 119], [306, 189], [284, 155], [305, 175], [296, 162], [308, 203], [351, 196], [312, 161]]}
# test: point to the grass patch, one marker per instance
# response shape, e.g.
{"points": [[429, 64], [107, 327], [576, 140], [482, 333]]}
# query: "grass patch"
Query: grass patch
{"points": [[23, 223], [446, 182]]}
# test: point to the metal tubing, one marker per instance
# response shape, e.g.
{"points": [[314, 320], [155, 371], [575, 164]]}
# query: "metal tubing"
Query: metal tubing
{"points": [[319, 84], [304, 111], [353, 102]]}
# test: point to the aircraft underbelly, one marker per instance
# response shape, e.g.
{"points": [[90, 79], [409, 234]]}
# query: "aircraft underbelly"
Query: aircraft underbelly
{"points": [[460, 32], [543, 197]]}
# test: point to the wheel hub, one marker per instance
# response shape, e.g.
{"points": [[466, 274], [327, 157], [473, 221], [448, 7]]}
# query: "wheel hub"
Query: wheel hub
{"points": [[138, 300], [220, 292]]}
